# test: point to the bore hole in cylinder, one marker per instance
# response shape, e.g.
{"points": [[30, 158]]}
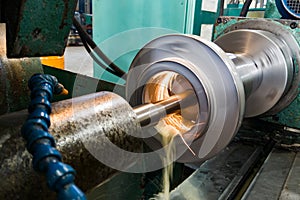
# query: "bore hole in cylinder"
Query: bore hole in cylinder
{"points": [[182, 112]]}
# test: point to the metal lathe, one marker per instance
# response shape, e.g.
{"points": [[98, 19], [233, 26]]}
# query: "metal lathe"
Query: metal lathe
{"points": [[231, 105]]}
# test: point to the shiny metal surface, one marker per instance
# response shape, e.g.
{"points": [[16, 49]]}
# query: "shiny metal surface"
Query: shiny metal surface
{"points": [[163, 86], [290, 49], [79, 126], [261, 65], [212, 76], [151, 113], [250, 74]]}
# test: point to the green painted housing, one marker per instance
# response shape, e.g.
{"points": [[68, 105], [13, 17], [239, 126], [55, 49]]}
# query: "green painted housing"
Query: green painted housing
{"points": [[37, 27]]}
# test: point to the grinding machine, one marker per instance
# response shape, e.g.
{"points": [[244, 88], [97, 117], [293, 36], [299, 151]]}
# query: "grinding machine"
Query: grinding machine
{"points": [[230, 106]]}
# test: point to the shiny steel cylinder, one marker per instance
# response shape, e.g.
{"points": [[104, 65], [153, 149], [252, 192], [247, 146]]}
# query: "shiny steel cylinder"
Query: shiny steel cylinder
{"points": [[151, 113], [80, 126], [248, 71], [263, 61]]}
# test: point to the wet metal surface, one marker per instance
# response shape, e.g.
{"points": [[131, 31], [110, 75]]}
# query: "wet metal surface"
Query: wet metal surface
{"points": [[227, 175], [213, 177], [91, 115], [258, 164], [291, 188], [277, 179]]}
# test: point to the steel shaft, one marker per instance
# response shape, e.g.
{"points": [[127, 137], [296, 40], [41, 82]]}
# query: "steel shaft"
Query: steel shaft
{"points": [[151, 113], [263, 62]]}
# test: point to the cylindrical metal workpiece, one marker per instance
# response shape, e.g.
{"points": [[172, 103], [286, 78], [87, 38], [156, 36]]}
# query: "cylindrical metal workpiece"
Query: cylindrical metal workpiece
{"points": [[248, 71], [82, 127], [264, 64], [275, 32], [151, 113]]}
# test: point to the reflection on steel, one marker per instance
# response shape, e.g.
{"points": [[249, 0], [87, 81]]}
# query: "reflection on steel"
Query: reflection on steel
{"points": [[151, 113], [263, 62], [278, 177], [282, 30]]}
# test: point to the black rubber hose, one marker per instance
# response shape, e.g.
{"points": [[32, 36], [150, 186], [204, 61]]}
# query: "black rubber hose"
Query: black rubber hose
{"points": [[96, 49], [245, 8], [221, 8], [103, 66]]}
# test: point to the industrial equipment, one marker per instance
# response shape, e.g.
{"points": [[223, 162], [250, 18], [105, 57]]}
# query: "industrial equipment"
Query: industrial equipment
{"points": [[201, 91], [259, 65], [288, 9]]}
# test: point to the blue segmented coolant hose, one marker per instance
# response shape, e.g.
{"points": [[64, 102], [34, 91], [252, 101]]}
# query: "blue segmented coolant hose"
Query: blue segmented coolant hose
{"points": [[41, 144]]}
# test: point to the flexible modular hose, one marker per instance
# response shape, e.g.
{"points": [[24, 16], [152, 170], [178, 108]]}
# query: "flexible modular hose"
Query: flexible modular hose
{"points": [[46, 158]]}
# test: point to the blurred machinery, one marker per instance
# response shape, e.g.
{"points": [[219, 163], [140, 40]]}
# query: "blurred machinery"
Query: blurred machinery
{"points": [[232, 105]]}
